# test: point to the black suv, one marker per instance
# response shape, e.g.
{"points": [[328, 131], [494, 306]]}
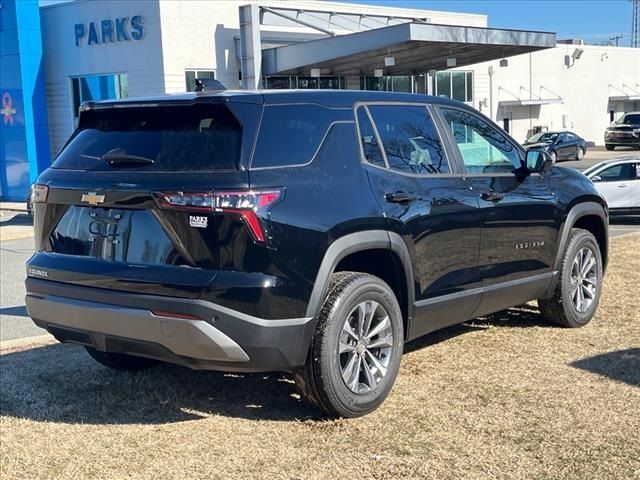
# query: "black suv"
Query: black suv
{"points": [[624, 132], [307, 232]]}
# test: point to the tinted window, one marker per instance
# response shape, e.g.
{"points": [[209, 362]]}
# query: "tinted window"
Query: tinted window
{"points": [[618, 173], [482, 147], [409, 139], [175, 138], [631, 119], [370, 147], [290, 134]]}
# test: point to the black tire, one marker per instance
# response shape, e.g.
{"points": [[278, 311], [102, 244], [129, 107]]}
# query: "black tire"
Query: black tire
{"points": [[121, 361], [561, 307], [579, 153], [609, 146], [320, 380]]}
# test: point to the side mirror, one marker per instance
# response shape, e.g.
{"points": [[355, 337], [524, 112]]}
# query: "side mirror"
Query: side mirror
{"points": [[538, 161], [596, 178]]}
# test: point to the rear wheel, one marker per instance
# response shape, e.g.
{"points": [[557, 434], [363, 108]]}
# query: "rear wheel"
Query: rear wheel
{"points": [[355, 353], [121, 361], [579, 153], [609, 146], [576, 297]]}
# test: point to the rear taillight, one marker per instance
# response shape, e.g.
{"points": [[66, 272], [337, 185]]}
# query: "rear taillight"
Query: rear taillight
{"points": [[39, 193], [251, 205]]}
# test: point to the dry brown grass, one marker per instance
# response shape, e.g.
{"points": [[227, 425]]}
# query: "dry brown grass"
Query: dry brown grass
{"points": [[503, 397]]}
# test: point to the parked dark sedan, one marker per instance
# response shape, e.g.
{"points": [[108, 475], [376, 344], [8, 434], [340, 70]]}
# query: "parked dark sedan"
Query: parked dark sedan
{"points": [[560, 145]]}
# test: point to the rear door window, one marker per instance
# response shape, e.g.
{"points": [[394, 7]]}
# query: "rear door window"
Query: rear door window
{"points": [[198, 137], [369, 140], [409, 139]]}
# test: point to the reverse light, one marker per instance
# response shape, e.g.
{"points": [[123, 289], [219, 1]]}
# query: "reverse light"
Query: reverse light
{"points": [[39, 193], [250, 205]]}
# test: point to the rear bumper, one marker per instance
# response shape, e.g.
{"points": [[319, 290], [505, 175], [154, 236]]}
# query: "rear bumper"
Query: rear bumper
{"points": [[218, 339]]}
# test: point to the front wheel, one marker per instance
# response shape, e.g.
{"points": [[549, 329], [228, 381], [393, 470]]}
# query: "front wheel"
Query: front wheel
{"points": [[576, 297], [554, 156], [356, 350], [579, 154], [609, 147]]}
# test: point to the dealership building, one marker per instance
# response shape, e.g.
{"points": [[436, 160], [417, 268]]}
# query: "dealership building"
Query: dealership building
{"points": [[55, 57]]}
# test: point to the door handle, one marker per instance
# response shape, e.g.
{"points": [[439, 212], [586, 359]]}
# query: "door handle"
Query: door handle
{"points": [[491, 196], [399, 197], [623, 186]]}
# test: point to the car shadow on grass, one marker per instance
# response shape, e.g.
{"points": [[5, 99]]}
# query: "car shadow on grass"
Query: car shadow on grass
{"points": [[523, 316], [620, 365], [61, 383]]}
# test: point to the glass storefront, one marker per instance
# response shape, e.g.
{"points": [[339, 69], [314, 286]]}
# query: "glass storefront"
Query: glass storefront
{"points": [[453, 84], [97, 87], [202, 75], [303, 83]]}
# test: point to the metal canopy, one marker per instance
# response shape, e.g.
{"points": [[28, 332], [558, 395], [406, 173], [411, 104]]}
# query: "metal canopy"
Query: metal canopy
{"points": [[624, 98], [530, 102], [416, 48]]}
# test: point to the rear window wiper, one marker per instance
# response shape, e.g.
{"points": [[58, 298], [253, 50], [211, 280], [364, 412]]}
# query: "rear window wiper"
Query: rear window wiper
{"points": [[119, 156]]}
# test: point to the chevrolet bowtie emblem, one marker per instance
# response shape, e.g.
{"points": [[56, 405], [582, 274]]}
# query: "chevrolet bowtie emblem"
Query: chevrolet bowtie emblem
{"points": [[92, 198]]}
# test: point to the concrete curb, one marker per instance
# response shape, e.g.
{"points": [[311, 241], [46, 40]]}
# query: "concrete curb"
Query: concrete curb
{"points": [[16, 344]]}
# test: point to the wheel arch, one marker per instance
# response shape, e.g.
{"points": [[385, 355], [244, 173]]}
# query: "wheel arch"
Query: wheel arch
{"points": [[590, 216], [354, 252]]}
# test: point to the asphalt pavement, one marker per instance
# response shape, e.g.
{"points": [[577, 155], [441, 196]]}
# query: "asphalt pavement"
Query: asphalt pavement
{"points": [[14, 322], [598, 154]]}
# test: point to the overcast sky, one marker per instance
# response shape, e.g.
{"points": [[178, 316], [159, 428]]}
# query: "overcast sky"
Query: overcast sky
{"points": [[591, 20]]}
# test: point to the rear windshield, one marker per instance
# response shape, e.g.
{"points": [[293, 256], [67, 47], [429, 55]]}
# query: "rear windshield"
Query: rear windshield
{"points": [[160, 138]]}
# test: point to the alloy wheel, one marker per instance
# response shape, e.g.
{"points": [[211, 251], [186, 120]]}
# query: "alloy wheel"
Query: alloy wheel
{"points": [[365, 348], [584, 279]]}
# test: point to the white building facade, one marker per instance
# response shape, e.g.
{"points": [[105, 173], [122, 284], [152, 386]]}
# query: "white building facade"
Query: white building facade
{"points": [[553, 90], [117, 49]]}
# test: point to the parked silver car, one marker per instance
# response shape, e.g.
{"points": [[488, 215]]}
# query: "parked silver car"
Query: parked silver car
{"points": [[618, 180]]}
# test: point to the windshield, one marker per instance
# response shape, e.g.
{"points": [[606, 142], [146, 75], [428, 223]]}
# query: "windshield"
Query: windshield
{"points": [[160, 138], [630, 119], [543, 137]]}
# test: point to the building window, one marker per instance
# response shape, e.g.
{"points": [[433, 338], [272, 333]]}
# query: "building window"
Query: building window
{"points": [[390, 83], [456, 85], [304, 83], [277, 83], [202, 75], [97, 87]]}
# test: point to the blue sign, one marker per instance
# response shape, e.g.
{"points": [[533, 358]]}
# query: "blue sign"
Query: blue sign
{"points": [[122, 29]]}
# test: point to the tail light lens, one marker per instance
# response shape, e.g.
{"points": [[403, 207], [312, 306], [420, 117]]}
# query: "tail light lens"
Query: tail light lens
{"points": [[251, 205], [39, 193]]}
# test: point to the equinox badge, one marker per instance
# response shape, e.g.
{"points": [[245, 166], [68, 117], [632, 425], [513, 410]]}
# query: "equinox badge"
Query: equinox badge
{"points": [[92, 198]]}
